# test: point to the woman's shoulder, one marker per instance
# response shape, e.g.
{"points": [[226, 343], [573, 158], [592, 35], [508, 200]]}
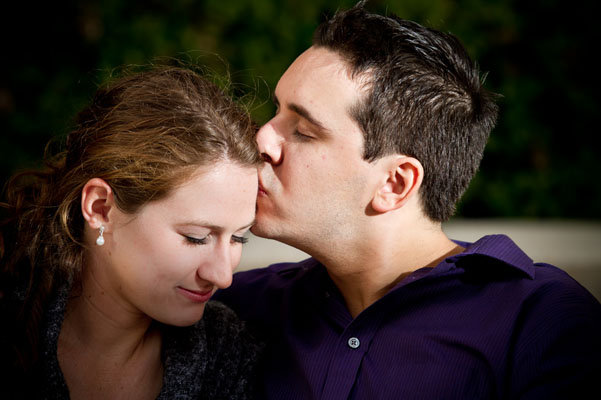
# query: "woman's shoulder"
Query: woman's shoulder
{"points": [[227, 334], [221, 322], [232, 350]]}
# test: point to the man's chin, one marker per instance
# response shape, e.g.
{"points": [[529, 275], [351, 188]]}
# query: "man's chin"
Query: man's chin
{"points": [[261, 230], [267, 225]]}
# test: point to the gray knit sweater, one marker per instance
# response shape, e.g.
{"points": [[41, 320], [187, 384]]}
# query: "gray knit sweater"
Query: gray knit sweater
{"points": [[213, 359]]}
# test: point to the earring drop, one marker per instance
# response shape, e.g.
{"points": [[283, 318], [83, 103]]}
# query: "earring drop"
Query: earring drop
{"points": [[100, 239]]}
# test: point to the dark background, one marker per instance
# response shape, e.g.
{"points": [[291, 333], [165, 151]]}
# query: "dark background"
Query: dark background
{"points": [[541, 159]]}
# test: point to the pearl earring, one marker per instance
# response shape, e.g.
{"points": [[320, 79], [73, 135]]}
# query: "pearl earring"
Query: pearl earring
{"points": [[100, 239]]}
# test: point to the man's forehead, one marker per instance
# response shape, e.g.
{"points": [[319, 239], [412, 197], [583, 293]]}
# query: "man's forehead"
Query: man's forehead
{"points": [[319, 60], [316, 78]]}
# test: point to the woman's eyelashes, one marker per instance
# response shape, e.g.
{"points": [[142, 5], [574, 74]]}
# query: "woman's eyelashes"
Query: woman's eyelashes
{"points": [[239, 239], [195, 241], [198, 241]]}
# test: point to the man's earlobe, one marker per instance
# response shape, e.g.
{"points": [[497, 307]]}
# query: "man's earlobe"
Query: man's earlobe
{"points": [[96, 202], [404, 179]]}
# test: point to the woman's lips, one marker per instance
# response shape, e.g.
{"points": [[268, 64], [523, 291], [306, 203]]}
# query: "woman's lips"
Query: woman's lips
{"points": [[196, 296]]}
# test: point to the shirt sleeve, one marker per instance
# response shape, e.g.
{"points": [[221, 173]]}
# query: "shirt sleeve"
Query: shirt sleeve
{"points": [[557, 352]]}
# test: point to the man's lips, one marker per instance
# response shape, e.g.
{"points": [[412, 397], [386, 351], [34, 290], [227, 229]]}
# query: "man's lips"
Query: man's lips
{"points": [[198, 296], [261, 190]]}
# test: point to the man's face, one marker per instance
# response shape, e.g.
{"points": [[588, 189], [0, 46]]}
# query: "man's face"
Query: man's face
{"points": [[315, 186]]}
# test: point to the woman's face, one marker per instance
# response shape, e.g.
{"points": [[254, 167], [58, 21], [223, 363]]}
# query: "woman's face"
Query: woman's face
{"points": [[169, 258]]}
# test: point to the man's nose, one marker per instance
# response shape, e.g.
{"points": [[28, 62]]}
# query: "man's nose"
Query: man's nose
{"points": [[270, 144]]}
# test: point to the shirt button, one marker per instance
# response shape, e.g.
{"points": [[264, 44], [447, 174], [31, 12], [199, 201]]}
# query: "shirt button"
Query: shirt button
{"points": [[354, 343]]}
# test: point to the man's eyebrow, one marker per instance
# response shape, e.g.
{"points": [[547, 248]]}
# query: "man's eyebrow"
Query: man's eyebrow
{"points": [[303, 112]]}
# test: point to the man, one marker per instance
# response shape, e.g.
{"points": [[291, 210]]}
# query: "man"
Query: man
{"points": [[380, 126]]}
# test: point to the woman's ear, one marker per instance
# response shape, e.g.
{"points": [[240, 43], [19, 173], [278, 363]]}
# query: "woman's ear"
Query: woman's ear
{"points": [[96, 202], [404, 178]]}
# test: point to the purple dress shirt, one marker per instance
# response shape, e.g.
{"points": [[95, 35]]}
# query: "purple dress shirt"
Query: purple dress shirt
{"points": [[484, 324]]}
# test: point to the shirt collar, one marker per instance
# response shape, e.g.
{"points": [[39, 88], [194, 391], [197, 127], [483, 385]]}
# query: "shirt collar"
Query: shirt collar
{"points": [[499, 247]]}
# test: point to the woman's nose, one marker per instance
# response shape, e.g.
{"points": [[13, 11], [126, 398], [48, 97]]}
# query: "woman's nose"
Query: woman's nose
{"points": [[219, 268]]}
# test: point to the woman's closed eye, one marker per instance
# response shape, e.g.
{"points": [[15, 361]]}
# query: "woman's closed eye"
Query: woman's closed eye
{"points": [[239, 239], [198, 241], [195, 241]]}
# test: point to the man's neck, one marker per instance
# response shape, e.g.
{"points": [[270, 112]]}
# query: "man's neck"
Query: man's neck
{"points": [[369, 269]]}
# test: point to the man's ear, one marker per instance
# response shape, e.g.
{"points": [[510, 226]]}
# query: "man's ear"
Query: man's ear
{"points": [[404, 178], [96, 202]]}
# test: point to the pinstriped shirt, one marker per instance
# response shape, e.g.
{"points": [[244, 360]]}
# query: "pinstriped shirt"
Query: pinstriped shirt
{"points": [[484, 324]]}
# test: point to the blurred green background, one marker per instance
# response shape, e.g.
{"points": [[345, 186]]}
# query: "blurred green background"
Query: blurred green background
{"points": [[540, 161]]}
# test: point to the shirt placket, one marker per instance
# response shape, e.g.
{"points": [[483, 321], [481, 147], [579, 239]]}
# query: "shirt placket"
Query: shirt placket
{"points": [[345, 363]]}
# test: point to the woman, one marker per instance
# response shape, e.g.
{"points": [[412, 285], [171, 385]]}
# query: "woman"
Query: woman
{"points": [[109, 257]]}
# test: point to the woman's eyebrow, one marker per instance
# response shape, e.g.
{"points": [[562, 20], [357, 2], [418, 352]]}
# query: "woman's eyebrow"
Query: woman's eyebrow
{"points": [[211, 226]]}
